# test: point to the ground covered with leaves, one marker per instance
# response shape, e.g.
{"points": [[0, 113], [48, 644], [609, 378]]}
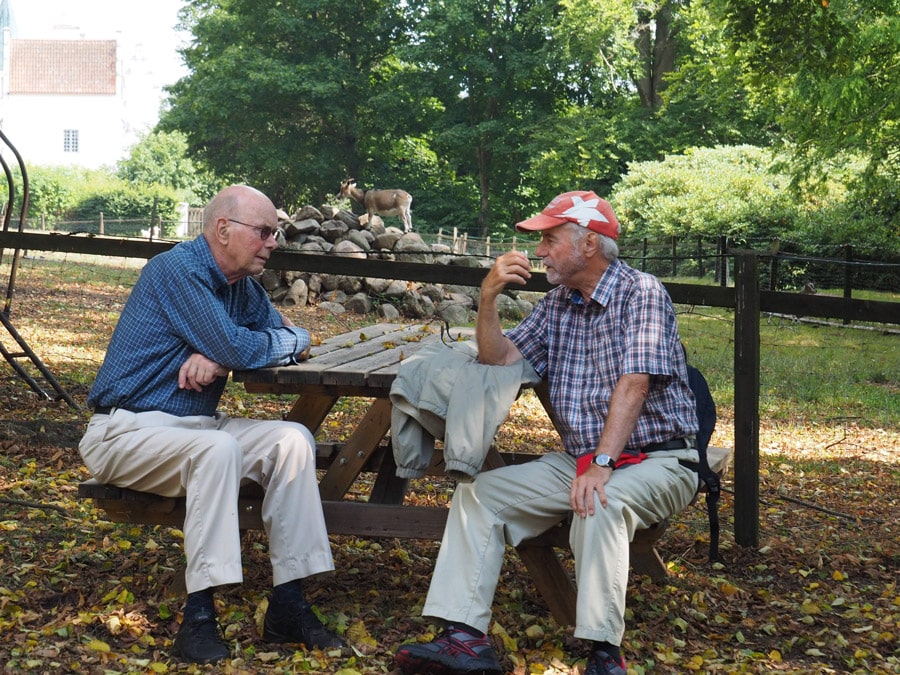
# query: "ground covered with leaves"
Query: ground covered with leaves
{"points": [[80, 594]]}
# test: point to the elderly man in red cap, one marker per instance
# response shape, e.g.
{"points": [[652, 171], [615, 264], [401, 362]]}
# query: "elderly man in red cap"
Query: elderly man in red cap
{"points": [[607, 341]]}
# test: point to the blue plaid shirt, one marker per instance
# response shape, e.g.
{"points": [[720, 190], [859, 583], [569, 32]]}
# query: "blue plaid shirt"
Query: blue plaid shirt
{"points": [[627, 326], [181, 305]]}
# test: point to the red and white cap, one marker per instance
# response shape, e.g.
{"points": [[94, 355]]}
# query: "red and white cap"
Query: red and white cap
{"points": [[583, 208]]}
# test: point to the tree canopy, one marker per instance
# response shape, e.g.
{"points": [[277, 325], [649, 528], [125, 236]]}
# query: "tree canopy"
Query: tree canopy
{"points": [[484, 110]]}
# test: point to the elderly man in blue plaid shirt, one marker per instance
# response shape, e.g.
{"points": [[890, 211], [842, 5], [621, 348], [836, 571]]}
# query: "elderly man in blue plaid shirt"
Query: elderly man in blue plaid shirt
{"points": [[194, 315], [607, 341]]}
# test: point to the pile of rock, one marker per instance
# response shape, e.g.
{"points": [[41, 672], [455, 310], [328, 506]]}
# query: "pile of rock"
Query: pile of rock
{"points": [[340, 232]]}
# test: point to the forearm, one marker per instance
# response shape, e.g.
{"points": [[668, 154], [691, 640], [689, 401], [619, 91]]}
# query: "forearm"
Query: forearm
{"points": [[625, 408], [493, 347]]}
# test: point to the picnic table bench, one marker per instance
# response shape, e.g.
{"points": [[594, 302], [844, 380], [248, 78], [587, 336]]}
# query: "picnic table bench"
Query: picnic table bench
{"points": [[363, 363]]}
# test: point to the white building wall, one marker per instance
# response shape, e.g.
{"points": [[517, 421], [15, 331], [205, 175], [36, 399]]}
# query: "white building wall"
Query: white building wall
{"points": [[35, 124], [147, 60]]}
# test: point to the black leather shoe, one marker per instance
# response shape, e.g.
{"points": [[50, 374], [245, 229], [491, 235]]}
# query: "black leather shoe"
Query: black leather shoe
{"points": [[199, 640], [298, 624]]}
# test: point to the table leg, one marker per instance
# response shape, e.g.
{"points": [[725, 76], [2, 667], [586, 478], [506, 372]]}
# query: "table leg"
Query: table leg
{"points": [[357, 450], [389, 488], [311, 410]]}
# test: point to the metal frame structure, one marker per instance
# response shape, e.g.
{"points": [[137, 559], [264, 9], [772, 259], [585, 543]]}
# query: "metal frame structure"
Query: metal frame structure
{"points": [[14, 357]]}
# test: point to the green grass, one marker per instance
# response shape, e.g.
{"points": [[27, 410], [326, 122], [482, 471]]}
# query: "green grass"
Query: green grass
{"points": [[807, 372]]}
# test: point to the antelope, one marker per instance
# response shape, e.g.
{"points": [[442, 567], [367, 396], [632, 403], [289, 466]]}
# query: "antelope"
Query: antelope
{"points": [[382, 202]]}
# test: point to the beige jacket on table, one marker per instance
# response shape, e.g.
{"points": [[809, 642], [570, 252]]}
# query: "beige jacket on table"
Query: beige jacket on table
{"points": [[442, 392]]}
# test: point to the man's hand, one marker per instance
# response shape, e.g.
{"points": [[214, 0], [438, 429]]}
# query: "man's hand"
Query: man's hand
{"points": [[302, 356], [581, 494], [510, 268], [198, 372], [493, 347]]}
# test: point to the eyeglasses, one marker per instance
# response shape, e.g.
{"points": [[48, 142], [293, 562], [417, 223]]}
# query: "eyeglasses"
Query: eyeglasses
{"points": [[264, 231]]}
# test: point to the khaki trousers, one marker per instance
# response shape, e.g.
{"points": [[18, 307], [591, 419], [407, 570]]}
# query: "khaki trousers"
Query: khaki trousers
{"points": [[504, 506], [206, 459]]}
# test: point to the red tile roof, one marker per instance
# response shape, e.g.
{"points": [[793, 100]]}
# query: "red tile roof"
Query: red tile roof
{"points": [[62, 67]]}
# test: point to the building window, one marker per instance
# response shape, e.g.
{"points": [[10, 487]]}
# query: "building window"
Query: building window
{"points": [[70, 140]]}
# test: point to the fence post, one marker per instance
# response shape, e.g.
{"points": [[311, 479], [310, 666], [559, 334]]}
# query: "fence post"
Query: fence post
{"points": [[101, 222], [487, 247], [644, 256], [440, 236], [746, 400], [674, 256], [700, 270], [722, 260], [773, 265], [848, 275], [455, 246]]}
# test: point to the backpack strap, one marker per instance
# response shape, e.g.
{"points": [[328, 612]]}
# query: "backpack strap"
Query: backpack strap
{"points": [[706, 418]]}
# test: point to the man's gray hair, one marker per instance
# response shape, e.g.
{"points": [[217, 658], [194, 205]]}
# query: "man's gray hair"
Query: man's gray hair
{"points": [[608, 245]]}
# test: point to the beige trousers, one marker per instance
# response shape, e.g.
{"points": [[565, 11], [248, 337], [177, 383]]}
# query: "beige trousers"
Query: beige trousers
{"points": [[206, 459], [502, 507]]}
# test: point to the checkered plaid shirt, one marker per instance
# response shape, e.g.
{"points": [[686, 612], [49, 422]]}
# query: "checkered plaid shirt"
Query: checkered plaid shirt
{"points": [[583, 347]]}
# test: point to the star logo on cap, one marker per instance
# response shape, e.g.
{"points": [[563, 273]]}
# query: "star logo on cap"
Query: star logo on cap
{"points": [[584, 212]]}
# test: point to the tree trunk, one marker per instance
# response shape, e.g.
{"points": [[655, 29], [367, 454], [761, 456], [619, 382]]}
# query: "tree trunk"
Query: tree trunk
{"points": [[655, 43], [484, 190]]}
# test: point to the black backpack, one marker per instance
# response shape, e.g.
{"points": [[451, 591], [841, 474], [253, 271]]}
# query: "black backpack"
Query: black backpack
{"points": [[706, 417]]}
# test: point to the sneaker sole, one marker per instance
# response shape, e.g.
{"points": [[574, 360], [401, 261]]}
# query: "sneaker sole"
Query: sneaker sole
{"points": [[412, 665]]}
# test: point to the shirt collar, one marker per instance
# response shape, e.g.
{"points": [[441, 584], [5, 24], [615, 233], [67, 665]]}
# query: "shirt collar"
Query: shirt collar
{"points": [[200, 248], [602, 292]]}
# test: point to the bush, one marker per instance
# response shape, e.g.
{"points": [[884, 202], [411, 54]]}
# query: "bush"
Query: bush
{"points": [[706, 192], [143, 204]]}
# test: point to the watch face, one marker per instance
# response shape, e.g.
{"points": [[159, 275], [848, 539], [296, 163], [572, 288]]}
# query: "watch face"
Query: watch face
{"points": [[604, 460]]}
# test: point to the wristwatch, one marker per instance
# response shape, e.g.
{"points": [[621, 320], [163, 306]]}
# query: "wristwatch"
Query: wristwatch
{"points": [[604, 460]]}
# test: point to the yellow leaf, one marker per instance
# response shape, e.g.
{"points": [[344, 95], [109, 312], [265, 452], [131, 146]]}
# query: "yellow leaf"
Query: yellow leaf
{"points": [[98, 646], [838, 576], [534, 632], [158, 667], [508, 643], [775, 656], [728, 589], [114, 625], [694, 663]]}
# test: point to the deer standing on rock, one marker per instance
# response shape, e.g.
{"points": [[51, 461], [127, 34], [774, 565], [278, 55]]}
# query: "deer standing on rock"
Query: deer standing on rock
{"points": [[382, 202]]}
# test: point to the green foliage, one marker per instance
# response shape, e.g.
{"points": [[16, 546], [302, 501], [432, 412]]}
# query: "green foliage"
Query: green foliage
{"points": [[160, 158], [119, 200], [707, 103], [54, 192], [831, 70], [491, 84], [51, 190], [719, 191], [483, 111], [281, 94]]}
